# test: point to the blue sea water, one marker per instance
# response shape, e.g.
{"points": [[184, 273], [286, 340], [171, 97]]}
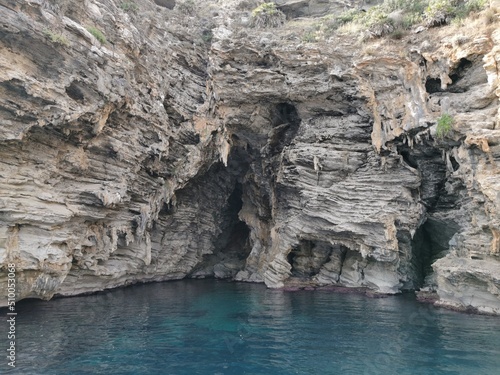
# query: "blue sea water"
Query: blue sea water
{"points": [[214, 327]]}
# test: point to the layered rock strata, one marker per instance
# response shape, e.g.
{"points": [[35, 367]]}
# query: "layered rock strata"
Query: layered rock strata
{"points": [[160, 154]]}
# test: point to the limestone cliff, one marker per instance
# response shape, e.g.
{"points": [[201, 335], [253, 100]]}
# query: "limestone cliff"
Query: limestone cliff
{"points": [[146, 142]]}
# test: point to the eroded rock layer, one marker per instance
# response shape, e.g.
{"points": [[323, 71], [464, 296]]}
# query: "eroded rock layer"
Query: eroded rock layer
{"points": [[187, 147]]}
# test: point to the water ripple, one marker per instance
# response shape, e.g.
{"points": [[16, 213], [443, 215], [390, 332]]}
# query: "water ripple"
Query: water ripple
{"points": [[213, 327]]}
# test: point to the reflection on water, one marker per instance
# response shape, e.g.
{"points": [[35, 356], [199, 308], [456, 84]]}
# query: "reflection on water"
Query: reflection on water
{"points": [[213, 327]]}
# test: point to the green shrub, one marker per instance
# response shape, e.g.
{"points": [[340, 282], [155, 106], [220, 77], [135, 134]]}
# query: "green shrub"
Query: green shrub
{"points": [[97, 34], [444, 125], [374, 16], [392, 5], [349, 16], [309, 37], [475, 5], [391, 15], [56, 38], [469, 7], [267, 15], [439, 12], [409, 6], [377, 22], [411, 19], [129, 6]]}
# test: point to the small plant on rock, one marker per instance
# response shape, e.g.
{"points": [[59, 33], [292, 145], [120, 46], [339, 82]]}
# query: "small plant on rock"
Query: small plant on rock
{"points": [[97, 34], [378, 23], [267, 15], [129, 6], [444, 125], [349, 16], [56, 38], [309, 37]]}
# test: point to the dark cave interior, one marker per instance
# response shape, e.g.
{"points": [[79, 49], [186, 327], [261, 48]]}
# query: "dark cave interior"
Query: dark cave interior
{"points": [[307, 258], [234, 239], [431, 240]]}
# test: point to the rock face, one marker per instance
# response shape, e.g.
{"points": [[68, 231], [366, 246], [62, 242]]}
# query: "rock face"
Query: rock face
{"points": [[308, 8], [160, 154]]}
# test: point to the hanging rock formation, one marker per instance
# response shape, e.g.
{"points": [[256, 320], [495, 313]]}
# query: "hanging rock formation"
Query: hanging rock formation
{"points": [[190, 146]]}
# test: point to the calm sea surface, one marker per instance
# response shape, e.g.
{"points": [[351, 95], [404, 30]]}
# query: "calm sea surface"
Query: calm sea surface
{"points": [[213, 327]]}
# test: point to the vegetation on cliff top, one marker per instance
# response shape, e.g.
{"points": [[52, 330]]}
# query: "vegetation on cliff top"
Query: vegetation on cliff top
{"points": [[267, 15], [393, 16]]}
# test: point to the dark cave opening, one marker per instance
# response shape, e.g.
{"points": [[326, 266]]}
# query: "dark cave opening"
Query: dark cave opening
{"points": [[440, 193], [235, 202], [285, 113], [409, 159], [433, 85], [428, 160], [74, 92], [454, 164], [430, 243], [460, 70], [307, 258], [457, 74], [285, 121], [266, 61], [232, 246], [238, 241]]}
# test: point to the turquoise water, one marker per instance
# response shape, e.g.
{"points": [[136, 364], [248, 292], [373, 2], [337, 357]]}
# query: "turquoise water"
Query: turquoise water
{"points": [[215, 327]]}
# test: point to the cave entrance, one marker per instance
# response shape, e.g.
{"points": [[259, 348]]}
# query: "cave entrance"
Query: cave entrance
{"points": [[234, 240], [232, 246], [441, 193], [308, 257], [433, 85], [285, 121], [430, 243]]}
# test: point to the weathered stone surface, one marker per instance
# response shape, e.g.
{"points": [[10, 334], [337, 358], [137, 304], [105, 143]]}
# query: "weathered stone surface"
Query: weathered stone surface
{"points": [[88, 138], [158, 155], [308, 8], [466, 284]]}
